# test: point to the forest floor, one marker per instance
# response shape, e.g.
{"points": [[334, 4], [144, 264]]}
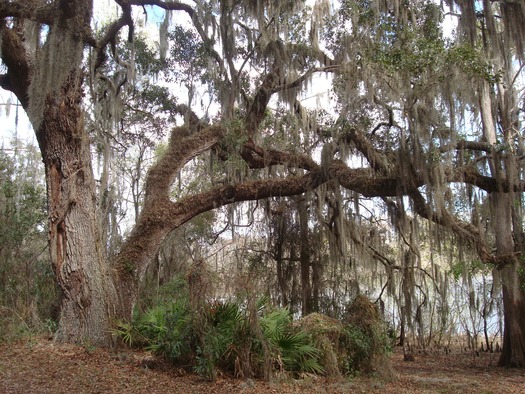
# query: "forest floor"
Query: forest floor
{"points": [[38, 366]]}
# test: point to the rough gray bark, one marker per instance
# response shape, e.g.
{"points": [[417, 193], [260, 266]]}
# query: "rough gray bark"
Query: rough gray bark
{"points": [[87, 304]]}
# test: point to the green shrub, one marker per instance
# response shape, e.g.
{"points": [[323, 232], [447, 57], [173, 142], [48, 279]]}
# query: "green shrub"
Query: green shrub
{"points": [[223, 332], [357, 344], [359, 349], [12, 326], [165, 328], [221, 335], [366, 338], [168, 331], [253, 339], [293, 348]]}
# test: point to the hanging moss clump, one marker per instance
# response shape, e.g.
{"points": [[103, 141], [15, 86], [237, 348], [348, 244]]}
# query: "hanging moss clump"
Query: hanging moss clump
{"points": [[56, 63]]}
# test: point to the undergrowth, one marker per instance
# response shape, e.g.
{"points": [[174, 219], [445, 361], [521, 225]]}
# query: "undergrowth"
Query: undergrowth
{"points": [[250, 338]]}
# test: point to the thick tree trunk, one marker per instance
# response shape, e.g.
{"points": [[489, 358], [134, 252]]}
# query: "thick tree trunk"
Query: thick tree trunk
{"points": [[51, 94], [55, 94], [78, 257], [508, 232], [513, 353]]}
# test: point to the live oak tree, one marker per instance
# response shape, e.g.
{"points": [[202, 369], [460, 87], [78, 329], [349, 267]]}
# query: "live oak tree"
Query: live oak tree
{"points": [[403, 95]]}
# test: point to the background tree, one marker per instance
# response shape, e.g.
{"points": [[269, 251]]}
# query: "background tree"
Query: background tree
{"points": [[27, 291]]}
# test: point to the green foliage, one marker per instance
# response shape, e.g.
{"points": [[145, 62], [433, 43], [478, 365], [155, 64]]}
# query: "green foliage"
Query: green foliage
{"points": [[472, 267], [188, 55], [129, 102], [365, 337], [224, 334], [411, 45], [219, 336], [22, 203], [13, 326], [359, 345], [457, 270], [168, 331], [521, 273], [51, 326], [146, 58], [291, 346], [163, 329], [472, 62], [28, 292], [298, 353], [414, 49], [236, 134]]}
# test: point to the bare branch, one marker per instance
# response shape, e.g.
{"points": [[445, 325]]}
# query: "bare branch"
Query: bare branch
{"points": [[161, 216], [111, 34], [365, 181]]}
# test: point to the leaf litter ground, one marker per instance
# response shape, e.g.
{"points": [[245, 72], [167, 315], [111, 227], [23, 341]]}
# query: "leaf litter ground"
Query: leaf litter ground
{"points": [[41, 366]]}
